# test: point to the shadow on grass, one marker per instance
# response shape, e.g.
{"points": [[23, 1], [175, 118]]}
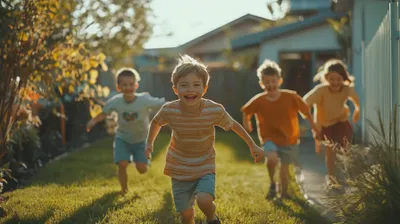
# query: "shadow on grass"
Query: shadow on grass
{"points": [[96, 211], [166, 214], [91, 213], [42, 219], [239, 147], [92, 163]]}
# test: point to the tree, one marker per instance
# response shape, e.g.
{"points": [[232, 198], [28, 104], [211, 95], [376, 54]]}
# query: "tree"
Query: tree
{"points": [[118, 28], [40, 54]]}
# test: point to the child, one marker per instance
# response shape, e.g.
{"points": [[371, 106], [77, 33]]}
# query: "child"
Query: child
{"points": [[331, 111], [276, 112], [133, 111], [190, 160]]}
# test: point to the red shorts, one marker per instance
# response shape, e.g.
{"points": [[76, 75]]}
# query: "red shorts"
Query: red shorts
{"points": [[339, 134]]}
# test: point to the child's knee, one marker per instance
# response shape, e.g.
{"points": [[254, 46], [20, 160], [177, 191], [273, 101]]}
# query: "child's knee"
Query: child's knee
{"points": [[204, 199], [141, 167], [187, 215], [123, 164], [272, 158]]}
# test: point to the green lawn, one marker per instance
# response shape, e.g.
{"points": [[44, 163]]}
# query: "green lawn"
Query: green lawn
{"points": [[83, 188]]}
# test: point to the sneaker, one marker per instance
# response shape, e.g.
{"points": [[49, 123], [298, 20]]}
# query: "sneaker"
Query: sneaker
{"points": [[332, 183], [217, 221], [272, 192], [286, 196]]}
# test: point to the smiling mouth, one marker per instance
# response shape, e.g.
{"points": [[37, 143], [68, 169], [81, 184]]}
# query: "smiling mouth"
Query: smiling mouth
{"points": [[190, 98]]}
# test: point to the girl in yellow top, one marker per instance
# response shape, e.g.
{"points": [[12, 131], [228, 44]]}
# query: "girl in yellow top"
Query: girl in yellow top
{"points": [[331, 113]]}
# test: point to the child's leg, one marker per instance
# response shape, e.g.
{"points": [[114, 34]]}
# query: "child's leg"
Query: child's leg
{"points": [[330, 156], [139, 157], [187, 216], [205, 194], [284, 176], [183, 194], [272, 161], [287, 155], [123, 175], [271, 158], [121, 158]]}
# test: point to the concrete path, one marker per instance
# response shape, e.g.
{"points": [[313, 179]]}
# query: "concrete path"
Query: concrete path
{"points": [[311, 178]]}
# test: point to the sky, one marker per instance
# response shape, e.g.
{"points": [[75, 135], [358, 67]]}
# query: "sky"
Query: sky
{"points": [[188, 19]]}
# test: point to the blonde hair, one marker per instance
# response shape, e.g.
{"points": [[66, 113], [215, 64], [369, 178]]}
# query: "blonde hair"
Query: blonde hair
{"points": [[334, 65], [186, 65], [127, 72], [269, 67]]}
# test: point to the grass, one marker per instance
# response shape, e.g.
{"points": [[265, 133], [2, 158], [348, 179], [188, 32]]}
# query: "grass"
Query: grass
{"points": [[83, 188]]}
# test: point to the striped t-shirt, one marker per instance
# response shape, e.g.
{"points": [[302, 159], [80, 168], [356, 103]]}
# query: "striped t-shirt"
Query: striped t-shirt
{"points": [[191, 152]]}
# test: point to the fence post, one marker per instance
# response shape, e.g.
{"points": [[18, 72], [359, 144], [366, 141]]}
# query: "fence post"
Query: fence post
{"points": [[394, 50]]}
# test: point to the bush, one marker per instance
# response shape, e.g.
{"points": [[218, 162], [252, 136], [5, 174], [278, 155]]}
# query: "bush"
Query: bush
{"points": [[373, 178]]}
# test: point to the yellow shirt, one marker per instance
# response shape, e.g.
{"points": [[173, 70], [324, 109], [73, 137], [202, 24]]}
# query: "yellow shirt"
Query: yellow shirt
{"points": [[330, 107]]}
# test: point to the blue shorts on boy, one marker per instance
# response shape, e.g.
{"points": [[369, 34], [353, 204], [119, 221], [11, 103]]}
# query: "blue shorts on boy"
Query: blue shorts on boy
{"points": [[184, 192], [287, 154], [129, 152]]}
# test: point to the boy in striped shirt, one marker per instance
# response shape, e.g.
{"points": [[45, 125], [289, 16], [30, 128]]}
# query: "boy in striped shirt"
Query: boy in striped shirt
{"points": [[190, 160]]}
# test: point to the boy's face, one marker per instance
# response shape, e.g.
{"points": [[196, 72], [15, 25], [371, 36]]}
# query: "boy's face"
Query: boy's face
{"points": [[127, 85], [271, 83], [190, 89], [335, 81]]}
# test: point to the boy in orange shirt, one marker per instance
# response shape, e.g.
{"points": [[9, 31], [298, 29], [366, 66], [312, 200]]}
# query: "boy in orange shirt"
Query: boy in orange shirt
{"points": [[276, 112]]}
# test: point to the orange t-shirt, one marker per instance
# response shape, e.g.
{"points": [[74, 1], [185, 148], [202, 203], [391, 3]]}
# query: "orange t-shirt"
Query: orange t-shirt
{"points": [[277, 120]]}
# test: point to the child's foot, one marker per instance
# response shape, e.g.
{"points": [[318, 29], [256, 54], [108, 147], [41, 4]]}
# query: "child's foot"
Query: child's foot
{"points": [[217, 221], [272, 192], [332, 183], [286, 196], [123, 192]]}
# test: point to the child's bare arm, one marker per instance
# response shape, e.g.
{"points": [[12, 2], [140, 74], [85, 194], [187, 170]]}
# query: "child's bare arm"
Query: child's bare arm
{"points": [[247, 122], [151, 136], [356, 102], [95, 120], [256, 152]]}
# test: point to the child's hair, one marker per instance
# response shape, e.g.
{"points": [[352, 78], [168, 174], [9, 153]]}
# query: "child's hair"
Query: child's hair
{"points": [[333, 65], [186, 65], [127, 72], [269, 68]]}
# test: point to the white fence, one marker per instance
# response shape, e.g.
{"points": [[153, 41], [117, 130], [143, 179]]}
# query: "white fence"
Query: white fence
{"points": [[381, 74]]}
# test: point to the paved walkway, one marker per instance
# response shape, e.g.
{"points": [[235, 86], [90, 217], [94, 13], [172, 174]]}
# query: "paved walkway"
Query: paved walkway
{"points": [[312, 178]]}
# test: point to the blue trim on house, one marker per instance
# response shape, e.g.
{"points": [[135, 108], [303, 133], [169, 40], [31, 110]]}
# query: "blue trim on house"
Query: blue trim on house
{"points": [[257, 38]]}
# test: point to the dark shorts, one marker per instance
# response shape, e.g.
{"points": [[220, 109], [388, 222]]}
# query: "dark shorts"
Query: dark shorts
{"points": [[338, 135]]}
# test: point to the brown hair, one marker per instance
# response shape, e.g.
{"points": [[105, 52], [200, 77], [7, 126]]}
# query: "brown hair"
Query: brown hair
{"points": [[268, 67], [127, 72], [333, 65], [186, 65]]}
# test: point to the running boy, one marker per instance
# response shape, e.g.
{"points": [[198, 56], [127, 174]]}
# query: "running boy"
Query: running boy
{"points": [[331, 112], [190, 160], [276, 112], [133, 111]]}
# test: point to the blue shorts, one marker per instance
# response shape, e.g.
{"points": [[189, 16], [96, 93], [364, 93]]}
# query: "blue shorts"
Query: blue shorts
{"points": [[287, 154], [184, 192], [125, 151]]}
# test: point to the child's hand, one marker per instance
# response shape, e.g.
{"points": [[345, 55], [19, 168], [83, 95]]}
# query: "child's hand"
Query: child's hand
{"points": [[356, 116], [149, 150], [257, 153], [90, 125]]}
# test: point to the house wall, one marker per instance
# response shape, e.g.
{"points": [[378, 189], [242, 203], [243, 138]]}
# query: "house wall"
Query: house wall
{"points": [[222, 40], [318, 38]]}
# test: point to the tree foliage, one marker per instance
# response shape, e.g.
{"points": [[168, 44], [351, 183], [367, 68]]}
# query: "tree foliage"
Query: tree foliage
{"points": [[118, 28]]}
